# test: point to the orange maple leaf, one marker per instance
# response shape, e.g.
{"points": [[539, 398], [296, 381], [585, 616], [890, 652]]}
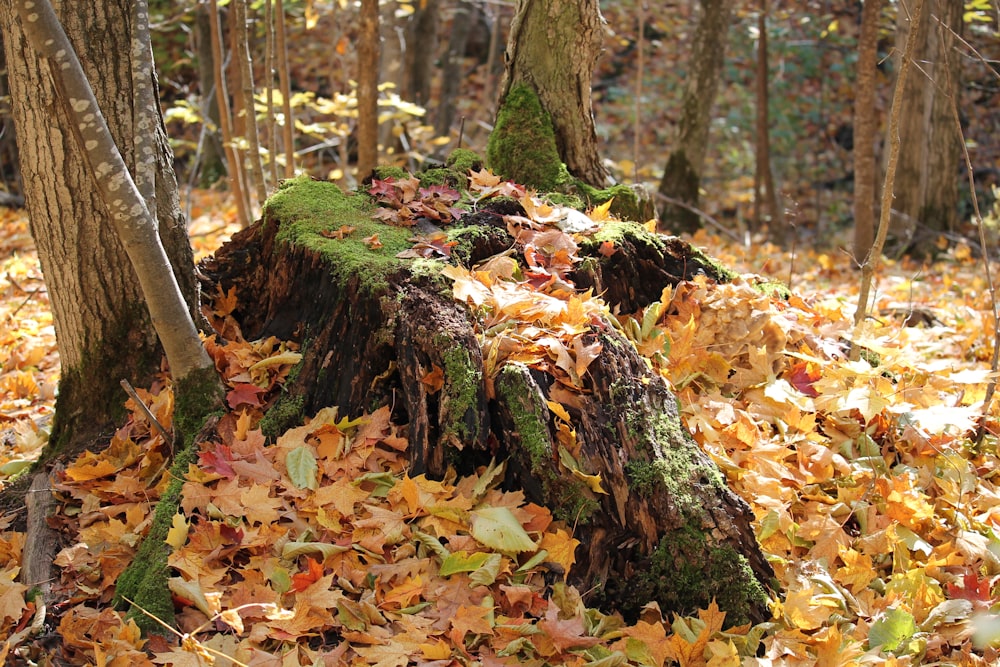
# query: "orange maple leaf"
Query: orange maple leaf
{"points": [[303, 580]]}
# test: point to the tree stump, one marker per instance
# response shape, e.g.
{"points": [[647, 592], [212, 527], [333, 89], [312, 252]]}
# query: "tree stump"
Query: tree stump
{"points": [[661, 524]]}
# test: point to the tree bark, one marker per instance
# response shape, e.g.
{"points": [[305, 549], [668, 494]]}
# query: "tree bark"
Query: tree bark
{"points": [[668, 528], [212, 164], [765, 196], [104, 330], [255, 171], [865, 128], [451, 68], [421, 46], [367, 72], [682, 175], [926, 202], [552, 50]]}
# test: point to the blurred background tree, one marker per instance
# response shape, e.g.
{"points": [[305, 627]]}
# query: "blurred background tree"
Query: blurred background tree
{"points": [[440, 75]]}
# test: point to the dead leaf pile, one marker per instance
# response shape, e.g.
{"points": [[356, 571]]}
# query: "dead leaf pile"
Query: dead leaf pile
{"points": [[29, 363]]}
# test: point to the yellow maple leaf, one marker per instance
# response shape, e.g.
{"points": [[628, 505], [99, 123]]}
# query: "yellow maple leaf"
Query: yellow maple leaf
{"points": [[653, 636], [11, 594], [857, 572], [602, 212], [561, 547], [177, 535]]}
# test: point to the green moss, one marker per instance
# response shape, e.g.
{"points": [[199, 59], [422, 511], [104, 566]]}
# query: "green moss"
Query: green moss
{"points": [[627, 204], [522, 145], [616, 231], [197, 395], [143, 585], [569, 499], [385, 172], [773, 288], [428, 271], [144, 581], [287, 412], [566, 199], [463, 161], [438, 176], [686, 573], [462, 382], [306, 208]]}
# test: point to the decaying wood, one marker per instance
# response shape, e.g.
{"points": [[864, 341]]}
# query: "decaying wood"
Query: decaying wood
{"points": [[41, 543], [667, 528]]}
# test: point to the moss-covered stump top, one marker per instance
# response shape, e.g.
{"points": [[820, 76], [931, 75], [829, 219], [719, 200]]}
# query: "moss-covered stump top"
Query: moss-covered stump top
{"points": [[319, 216]]}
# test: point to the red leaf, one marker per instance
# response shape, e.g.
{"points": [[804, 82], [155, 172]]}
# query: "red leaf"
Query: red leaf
{"points": [[245, 394]]}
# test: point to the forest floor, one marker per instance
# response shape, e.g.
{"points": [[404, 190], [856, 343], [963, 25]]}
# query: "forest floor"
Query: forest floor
{"points": [[878, 512]]}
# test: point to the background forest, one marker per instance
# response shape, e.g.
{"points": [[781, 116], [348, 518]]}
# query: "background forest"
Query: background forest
{"points": [[442, 61], [871, 479]]}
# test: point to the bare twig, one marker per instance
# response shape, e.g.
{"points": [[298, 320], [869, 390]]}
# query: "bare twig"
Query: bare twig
{"points": [[272, 139], [641, 68], [255, 172], [127, 386], [983, 246], [701, 214]]}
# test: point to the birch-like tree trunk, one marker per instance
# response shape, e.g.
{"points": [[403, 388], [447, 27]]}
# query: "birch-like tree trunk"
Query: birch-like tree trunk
{"points": [[86, 229]]}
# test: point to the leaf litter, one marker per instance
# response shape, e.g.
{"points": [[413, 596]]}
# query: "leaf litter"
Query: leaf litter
{"points": [[873, 505]]}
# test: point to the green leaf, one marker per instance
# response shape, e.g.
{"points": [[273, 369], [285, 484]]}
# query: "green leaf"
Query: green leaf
{"points": [[892, 630], [302, 468], [498, 528], [383, 481], [463, 561], [488, 573]]}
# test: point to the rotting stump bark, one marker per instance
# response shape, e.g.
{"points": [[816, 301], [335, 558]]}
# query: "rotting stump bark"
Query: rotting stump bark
{"points": [[667, 527]]}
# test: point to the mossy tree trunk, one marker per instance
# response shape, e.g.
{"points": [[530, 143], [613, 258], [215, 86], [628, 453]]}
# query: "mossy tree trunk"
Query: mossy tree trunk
{"points": [[373, 326], [552, 51]]}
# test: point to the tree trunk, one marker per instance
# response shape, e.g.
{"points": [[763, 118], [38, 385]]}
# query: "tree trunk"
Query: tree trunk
{"points": [[926, 202], [103, 327], [682, 175], [765, 196], [552, 51], [367, 73], [421, 48], [211, 165], [865, 127], [374, 327], [451, 68]]}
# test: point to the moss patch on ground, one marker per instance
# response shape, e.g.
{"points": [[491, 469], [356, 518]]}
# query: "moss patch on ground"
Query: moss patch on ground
{"points": [[682, 576], [142, 587]]}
